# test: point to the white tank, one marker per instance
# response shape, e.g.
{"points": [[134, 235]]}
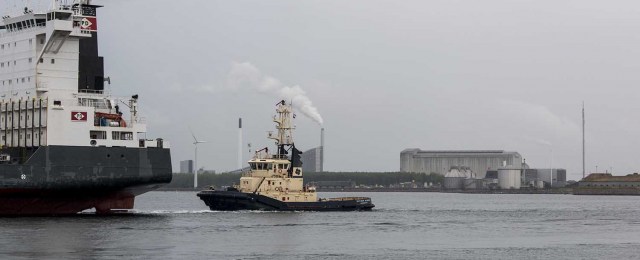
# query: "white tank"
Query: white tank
{"points": [[509, 178], [454, 179]]}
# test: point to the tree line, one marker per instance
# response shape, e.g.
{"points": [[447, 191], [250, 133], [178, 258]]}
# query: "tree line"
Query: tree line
{"points": [[185, 180]]}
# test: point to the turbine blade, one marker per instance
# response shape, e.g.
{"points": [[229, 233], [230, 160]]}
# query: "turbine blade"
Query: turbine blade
{"points": [[194, 136]]}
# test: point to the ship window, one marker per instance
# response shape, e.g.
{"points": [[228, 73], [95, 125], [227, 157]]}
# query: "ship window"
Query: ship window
{"points": [[270, 166], [253, 166], [122, 135], [14, 62], [57, 103], [41, 60], [30, 60], [53, 61], [22, 80], [98, 134], [41, 40]]}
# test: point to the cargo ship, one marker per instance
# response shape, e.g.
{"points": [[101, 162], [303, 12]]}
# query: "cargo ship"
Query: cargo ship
{"points": [[274, 181], [66, 144]]}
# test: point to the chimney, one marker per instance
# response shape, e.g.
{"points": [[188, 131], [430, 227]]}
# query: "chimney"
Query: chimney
{"points": [[322, 149]]}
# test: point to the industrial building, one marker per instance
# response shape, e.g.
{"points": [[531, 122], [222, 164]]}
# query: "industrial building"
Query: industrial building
{"points": [[186, 166], [312, 160], [559, 176], [607, 184], [440, 162]]}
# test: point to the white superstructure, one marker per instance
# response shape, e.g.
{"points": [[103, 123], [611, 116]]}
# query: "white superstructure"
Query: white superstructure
{"points": [[52, 84]]}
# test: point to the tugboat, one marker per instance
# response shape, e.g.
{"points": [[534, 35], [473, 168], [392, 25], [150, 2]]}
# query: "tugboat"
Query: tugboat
{"points": [[274, 181]]}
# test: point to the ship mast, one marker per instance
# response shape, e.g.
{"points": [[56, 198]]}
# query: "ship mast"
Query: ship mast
{"points": [[283, 118]]}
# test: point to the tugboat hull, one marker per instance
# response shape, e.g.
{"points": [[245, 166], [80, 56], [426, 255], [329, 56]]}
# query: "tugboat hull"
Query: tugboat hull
{"points": [[235, 200]]}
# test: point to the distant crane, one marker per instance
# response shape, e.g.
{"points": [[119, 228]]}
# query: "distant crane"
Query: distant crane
{"points": [[195, 166]]}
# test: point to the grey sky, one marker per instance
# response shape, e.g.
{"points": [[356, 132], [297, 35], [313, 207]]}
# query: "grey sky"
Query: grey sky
{"points": [[387, 75]]}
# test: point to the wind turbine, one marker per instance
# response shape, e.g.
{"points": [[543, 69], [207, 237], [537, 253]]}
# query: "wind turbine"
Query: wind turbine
{"points": [[195, 172]]}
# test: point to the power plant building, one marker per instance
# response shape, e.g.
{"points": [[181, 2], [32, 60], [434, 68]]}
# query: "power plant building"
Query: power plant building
{"points": [[479, 161], [186, 166], [312, 160]]}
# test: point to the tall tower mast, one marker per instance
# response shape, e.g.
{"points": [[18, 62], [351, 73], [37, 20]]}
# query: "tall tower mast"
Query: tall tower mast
{"points": [[583, 143]]}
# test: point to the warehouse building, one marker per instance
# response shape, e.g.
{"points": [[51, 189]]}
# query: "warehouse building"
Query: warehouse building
{"points": [[479, 161]]}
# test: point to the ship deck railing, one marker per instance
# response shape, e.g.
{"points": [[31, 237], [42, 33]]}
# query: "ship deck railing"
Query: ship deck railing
{"points": [[346, 199], [91, 91]]}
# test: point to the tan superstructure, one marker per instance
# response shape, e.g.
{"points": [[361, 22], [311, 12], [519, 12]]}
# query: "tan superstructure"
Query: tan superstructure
{"points": [[278, 175]]}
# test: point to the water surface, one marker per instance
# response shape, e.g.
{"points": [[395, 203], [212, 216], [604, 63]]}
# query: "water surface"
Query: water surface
{"points": [[177, 225]]}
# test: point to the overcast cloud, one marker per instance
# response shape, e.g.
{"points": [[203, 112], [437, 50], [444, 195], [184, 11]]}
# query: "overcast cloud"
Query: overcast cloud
{"points": [[387, 75]]}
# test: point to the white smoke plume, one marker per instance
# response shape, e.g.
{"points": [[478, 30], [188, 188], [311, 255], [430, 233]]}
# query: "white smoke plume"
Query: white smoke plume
{"points": [[243, 75]]}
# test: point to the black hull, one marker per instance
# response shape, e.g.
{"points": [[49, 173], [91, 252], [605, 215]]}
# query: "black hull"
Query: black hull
{"points": [[234, 200], [58, 180]]}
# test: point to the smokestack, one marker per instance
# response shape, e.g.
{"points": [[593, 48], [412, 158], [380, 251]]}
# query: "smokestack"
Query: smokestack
{"points": [[240, 143], [321, 149]]}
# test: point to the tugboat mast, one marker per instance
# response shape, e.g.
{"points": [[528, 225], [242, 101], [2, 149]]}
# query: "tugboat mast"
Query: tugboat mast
{"points": [[284, 136]]}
